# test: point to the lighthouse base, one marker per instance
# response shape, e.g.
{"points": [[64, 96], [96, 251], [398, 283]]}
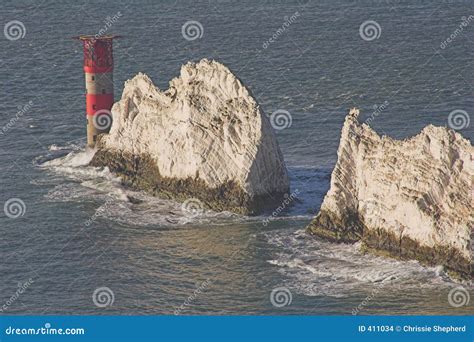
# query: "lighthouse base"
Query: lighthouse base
{"points": [[96, 125]]}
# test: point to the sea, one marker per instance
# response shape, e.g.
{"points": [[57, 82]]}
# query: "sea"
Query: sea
{"points": [[73, 242]]}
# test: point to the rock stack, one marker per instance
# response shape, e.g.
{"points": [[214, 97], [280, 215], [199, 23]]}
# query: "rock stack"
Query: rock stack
{"points": [[205, 137], [411, 199]]}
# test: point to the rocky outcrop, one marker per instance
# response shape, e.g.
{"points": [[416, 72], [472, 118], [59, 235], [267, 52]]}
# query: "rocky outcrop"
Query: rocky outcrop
{"points": [[411, 199], [205, 137]]}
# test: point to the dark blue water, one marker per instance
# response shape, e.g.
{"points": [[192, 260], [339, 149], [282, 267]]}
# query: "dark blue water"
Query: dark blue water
{"points": [[79, 232]]}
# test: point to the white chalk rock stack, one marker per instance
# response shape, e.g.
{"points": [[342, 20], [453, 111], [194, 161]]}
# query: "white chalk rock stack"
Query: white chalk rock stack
{"points": [[411, 199], [204, 137]]}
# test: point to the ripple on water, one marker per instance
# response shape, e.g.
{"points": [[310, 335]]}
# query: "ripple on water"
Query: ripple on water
{"points": [[76, 181], [319, 268]]}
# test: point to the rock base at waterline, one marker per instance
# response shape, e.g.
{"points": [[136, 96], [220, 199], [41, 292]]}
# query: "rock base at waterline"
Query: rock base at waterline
{"points": [[141, 173], [408, 199]]}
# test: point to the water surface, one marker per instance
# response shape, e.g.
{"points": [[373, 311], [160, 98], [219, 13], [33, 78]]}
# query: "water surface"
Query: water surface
{"points": [[80, 230]]}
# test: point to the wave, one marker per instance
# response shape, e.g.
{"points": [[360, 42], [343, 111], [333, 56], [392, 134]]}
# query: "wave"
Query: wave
{"points": [[74, 180], [318, 268]]}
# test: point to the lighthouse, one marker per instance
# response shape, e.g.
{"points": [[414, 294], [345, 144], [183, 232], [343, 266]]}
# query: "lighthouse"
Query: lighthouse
{"points": [[98, 69]]}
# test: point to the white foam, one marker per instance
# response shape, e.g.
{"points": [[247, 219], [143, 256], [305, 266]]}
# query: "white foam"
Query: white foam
{"points": [[100, 185], [73, 159], [315, 267]]}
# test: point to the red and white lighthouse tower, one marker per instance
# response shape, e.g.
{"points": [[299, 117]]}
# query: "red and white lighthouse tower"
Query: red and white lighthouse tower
{"points": [[98, 68]]}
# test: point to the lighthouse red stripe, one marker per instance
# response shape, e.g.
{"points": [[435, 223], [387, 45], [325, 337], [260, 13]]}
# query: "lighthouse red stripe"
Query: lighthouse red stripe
{"points": [[97, 70], [95, 102]]}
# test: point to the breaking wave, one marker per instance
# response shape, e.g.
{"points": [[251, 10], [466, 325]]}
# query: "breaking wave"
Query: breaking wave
{"points": [[318, 268], [73, 180]]}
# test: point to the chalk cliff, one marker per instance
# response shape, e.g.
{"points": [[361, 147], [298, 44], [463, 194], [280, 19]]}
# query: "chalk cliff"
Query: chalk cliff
{"points": [[411, 199], [204, 137]]}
